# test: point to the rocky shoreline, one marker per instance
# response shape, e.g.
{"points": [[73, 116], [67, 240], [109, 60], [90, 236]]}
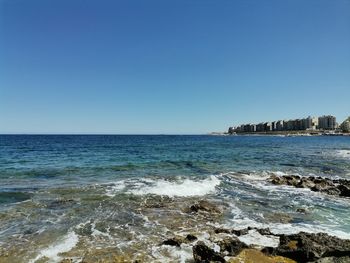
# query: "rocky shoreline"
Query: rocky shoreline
{"points": [[337, 187], [194, 230], [226, 246]]}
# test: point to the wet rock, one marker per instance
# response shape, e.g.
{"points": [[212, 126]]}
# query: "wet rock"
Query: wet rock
{"points": [[338, 187], [316, 188], [301, 210], [178, 240], [240, 232], [59, 203], [222, 230], [333, 260], [231, 245], [279, 218], [175, 241], [278, 180], [156, 202], [191, 238], [305, 247], [264, 231], [344, 190], [204, 254], [256, 256], [332, 191], [205, 206], [305, 183]]}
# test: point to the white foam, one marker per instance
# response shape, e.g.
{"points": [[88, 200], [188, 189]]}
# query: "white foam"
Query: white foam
{"points": [[68, 242], [255, 238], [185, 187], [342, 153], [115, 188]]}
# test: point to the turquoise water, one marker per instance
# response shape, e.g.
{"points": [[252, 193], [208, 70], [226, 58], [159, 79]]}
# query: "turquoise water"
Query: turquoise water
{"points": [[89, 191]]}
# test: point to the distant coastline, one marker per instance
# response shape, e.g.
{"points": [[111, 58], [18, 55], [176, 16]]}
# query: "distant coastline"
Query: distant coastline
{"points": [[323, 125]]}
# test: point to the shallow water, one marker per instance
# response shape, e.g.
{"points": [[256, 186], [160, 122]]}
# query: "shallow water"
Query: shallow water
{"points": [[73, 196]]}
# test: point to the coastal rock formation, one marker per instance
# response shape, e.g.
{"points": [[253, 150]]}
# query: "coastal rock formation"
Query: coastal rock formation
{"points": [[306, 247], [338, 187], [231, 246], [202, 253], [301, 247], [177, 241], [254, 255], [204, 206]]}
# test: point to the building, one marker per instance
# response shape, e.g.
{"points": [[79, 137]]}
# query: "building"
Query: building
{"points": [[260, 127], [309, 123], [306, 124], [345, 126], [327, 122], [279, 125]]}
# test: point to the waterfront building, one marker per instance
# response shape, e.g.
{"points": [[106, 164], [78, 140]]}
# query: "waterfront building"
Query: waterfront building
{"points": [[306, 124], [267, 126], [345, 126], [260, 127], [309, 123], [279, 125], [327, 122]]}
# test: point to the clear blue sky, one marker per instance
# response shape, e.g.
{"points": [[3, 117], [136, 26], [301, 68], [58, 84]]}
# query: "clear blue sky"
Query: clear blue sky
{"points": [[180, 66]]}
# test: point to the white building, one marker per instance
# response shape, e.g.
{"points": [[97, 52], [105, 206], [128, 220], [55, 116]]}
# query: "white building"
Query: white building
{"points": [[327, 122]]}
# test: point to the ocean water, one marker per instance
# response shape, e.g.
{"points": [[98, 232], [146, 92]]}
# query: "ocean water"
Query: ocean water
{"points": [[64, 196]]}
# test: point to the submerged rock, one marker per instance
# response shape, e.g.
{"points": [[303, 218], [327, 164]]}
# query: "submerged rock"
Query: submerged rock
{"points": [[279, 217], [205, 206], [204, 254]]}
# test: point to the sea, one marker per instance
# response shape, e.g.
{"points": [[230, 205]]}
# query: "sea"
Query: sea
{"points": [[98, 197]]}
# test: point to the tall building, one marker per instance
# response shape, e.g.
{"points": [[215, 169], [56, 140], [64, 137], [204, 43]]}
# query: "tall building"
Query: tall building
{"points": [[345, 126], [279, 125], [309, 123], [327, 122]]}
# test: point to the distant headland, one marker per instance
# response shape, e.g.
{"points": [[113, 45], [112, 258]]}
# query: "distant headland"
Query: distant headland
{"points": [[323, 125]]}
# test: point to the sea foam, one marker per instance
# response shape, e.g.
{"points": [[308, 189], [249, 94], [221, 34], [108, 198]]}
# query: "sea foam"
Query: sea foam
{"points": [[186, 187], [52, 252]]}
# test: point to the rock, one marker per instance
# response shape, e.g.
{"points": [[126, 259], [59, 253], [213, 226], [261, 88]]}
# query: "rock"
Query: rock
{"points": [[305, 183], [240, 232], [178, 240], [256, 256], [338, 187], [175, 241], [304, 247], [333, 260], [279, 218], [301, 210], [277, 180], [332, 191], [232, 245], [204, 254], [264, 231], [344, 190], [316, 188], [205, 206], [59, 203], [222, 230], [191, 237]]}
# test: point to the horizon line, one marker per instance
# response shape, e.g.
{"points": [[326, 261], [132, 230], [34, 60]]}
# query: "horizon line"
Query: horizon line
{"points": [[121, 134]]}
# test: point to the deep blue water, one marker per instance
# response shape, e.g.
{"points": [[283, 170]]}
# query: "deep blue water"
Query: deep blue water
{"points": [[39, 161], [104, 171]]}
